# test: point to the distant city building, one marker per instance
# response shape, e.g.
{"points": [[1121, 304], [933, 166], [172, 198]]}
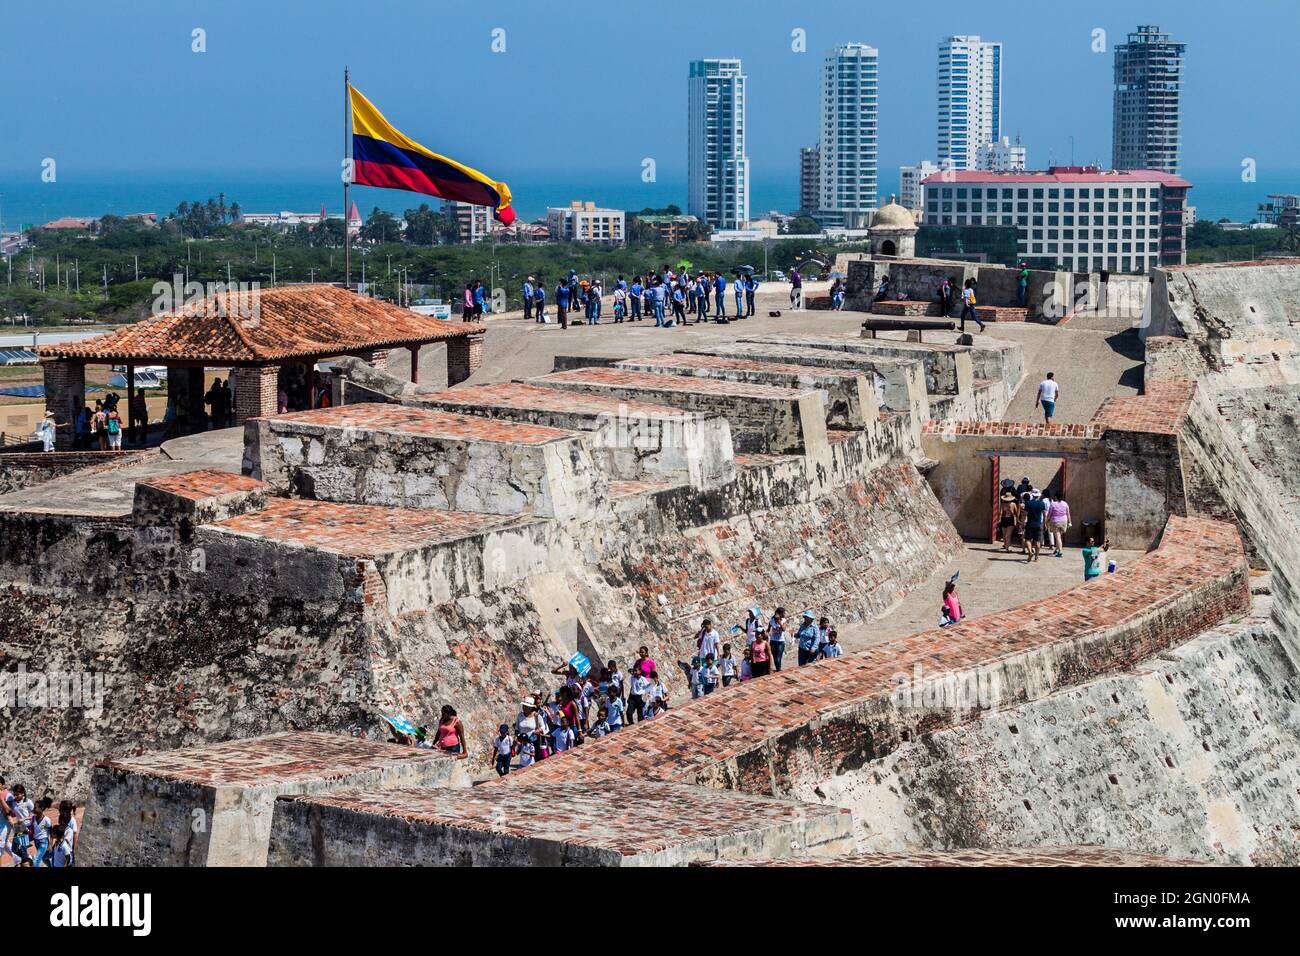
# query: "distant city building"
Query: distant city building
{"points": [[1077, 217], [1281, 209], [670, 229], [809, 180], [970, 99], [765, 228], [71, 223], [1002, 156], [909, 183], [1189, 216], [586, 222], [717, 167], [1148, 81], [473, 223], [283, 220], [847, 151]]}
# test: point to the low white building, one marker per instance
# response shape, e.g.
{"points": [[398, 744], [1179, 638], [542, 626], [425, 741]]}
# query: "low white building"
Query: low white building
{"points": [[586, 222]]}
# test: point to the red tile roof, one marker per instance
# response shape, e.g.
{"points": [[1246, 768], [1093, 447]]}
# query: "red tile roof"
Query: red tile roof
{"points": [[1059, 174], [264, 326]]}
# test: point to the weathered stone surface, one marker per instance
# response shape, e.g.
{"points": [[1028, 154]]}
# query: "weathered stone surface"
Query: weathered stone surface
{"points": [[423, 458], [212, 806], [764, 418], [626, 823], [1194, 753]]}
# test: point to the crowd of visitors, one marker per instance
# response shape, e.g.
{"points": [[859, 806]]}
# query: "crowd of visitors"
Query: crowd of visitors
{"points": [[604, 700], [1033, 517], [36, 833], [671, 298]]}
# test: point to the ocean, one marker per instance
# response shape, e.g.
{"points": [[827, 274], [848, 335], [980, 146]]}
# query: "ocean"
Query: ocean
{"points": [[25, 200]]}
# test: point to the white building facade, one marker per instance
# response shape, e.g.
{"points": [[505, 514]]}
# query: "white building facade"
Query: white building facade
{"points": [[586, 222], [717, 167], [910, 178], [1002, 156], [847, 151], [1072, 217], [970, 99]]}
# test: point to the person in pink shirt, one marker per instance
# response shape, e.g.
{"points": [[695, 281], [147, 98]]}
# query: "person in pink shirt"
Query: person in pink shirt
{"points": [[643, 661], [951, 604]]}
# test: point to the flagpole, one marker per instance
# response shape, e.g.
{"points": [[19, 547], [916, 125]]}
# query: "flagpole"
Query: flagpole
{"points": [[347, 138]]}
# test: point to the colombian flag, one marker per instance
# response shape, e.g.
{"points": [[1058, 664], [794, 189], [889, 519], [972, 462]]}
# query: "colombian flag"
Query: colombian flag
{"points": [[382, 156]]}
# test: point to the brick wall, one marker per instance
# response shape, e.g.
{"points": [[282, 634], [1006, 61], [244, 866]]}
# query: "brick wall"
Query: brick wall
{"points": [[255, 391], [375, 357], [464, 356]]}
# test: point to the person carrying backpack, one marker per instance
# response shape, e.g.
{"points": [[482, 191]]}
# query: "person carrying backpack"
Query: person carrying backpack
{"points": [[113, 429]]}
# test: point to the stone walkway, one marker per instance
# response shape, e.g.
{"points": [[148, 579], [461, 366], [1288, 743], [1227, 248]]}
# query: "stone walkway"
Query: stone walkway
{"points": [[991, 580]]}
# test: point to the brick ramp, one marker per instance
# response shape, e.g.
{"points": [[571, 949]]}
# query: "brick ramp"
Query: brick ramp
{"points": [[809, 724]]}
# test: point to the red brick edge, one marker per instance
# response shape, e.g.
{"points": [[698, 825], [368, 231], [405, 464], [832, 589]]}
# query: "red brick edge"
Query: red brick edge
{"points": [[810, 723]]}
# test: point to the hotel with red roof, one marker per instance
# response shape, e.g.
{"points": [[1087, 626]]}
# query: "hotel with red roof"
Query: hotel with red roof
{"points": [[1079, 218]]}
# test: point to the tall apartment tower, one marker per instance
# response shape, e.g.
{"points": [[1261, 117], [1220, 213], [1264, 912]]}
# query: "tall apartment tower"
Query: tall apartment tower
{"points": [[970, 99], [1148, 80], [848, 136], [810, 176], [717, 169]]}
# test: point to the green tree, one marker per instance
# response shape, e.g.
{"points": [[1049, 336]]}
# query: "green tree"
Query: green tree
{"points": [[381, 226]]}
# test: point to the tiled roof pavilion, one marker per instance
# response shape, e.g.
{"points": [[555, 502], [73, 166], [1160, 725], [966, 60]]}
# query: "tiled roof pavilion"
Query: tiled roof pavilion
{"points": [[265, 326], [255, 333]]}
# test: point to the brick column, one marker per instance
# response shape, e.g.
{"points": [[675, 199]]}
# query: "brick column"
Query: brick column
{"points": [[255, 392], [464, 356], [65, 395], [376, 357]]}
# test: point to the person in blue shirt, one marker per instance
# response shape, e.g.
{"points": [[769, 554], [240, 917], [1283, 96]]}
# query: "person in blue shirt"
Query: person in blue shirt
{"points": [[539, 301], [679, 304], [528, 298], [660, 294], [562, 294], [740, 287], [720, 298], [701, 298], [810, 639], [636, 291], [479, 301], [751, 287]]}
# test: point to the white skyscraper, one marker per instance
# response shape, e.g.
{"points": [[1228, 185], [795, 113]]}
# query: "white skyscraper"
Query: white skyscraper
{"points": [[970, 99], [717, 169], [848, 136]]}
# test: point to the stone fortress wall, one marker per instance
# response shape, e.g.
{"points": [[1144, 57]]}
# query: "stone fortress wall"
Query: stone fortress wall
{"points": [[427, 547], [1151, 711]]}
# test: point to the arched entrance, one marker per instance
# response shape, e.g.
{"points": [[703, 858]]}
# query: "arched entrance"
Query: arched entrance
{"points": [[887, 248]]}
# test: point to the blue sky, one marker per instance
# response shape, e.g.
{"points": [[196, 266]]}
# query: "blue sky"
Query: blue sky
{"points": [[592, 86]]}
